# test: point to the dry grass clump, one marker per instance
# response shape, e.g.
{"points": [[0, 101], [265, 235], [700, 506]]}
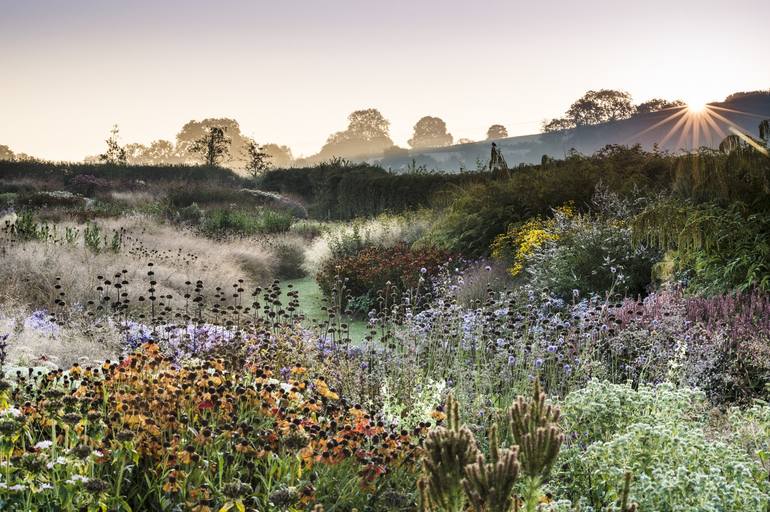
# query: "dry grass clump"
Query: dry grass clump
{"points": [[30, 271]]}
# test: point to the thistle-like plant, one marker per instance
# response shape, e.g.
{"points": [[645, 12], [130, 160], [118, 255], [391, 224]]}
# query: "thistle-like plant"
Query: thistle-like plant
{"points": [[533, 424], [447, 451], [489, 485]]}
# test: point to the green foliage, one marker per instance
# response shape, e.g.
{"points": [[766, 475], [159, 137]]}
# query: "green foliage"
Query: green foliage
{"points": [[480, 211], [290, 256], [225, 221], [675, 468], [721, 248], [335, 191], [59, 174], [593, 255], [600, 410], [658, 434]]}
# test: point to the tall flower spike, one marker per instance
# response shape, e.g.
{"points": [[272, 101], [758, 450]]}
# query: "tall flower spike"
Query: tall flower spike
{"points": [[489, 486], [534, 428], [447, 452]]}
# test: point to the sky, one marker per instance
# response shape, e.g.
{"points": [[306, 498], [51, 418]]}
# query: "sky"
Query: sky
{"points": [[291, 71]]}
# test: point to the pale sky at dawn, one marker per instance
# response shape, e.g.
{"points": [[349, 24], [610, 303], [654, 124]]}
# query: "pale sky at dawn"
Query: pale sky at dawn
{"points": [[291, 71]]}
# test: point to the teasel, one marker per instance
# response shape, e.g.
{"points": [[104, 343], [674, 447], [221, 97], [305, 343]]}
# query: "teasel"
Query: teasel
{"points": [[447, 452], [489, 485], [535, 431]]}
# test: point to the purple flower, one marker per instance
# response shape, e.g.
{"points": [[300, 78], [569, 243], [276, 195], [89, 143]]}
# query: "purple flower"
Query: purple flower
{"points": [[511, 360], [538, 363]]}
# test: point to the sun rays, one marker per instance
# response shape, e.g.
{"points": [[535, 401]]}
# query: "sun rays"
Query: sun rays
{"points": [[699, 123]]}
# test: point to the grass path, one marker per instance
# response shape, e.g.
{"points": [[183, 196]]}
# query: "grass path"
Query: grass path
{"points": [[311, 303]]}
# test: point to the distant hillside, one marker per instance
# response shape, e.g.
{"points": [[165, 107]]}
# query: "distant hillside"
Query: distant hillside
{"points": [[743, 111]]}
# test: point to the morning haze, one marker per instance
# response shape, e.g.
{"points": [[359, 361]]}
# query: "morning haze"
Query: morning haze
{"points": [[290, 72]]}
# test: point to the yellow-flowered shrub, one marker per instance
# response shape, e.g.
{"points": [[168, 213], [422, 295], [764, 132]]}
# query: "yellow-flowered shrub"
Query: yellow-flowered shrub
{"points": [[521, 240]]}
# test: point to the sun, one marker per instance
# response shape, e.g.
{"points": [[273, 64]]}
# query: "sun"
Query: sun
{"points": [[696, 104]]}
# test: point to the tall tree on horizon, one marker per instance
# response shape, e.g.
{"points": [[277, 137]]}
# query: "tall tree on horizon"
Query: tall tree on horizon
{"points": [[430, 132], [213, 146], [115, 154], [497, 131]]}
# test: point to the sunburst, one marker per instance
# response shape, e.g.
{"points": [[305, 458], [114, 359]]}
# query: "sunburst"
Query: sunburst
{"points": [[699, 122]]}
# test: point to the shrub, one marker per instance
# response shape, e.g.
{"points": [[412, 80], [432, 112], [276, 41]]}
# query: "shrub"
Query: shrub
{"points": [[375, 268], [228, 221], [88, 184], [674, 468], [571, 253], [483, 210], [657, 434], [601, 410], [289, 255]]}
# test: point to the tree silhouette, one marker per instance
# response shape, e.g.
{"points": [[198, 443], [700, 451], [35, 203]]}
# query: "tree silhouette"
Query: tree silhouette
{"points": [[280, 156], [367, 134], [6, 153], [430, 132], [594, 107], [656, 105], [257, 160], [497, 131], [601, 106], [213, 145], [194, 130], [115, 153]]}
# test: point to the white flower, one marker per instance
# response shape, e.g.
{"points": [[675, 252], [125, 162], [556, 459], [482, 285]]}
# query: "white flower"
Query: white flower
{"points": [[97, 454], [44, 487], [77, 478], [17, 487], [59, 461], [10, 411], [43, 445]]}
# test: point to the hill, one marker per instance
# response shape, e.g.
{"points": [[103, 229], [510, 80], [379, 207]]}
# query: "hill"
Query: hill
{"points": [[672, 130]]}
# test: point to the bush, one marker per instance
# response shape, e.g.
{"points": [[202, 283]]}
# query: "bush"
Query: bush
{"points": [[87, 184], [482, 210], [600, 410], [656, 434], [289, 254], [374, 268], [227, 221], [335, 191], [571, 253]]}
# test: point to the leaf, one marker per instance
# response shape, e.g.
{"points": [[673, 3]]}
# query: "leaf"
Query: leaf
{"points": [[227, 506]]}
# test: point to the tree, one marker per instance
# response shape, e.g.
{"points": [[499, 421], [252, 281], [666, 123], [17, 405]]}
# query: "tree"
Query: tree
{"points": [[213, 146], [257, 160], [115, 153], [558, 125], [601, 106], [594, 107], [497, 131], [6, 153], [194, 130], [430, 132], [367, 134], [656, 105], [280, 156]]}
